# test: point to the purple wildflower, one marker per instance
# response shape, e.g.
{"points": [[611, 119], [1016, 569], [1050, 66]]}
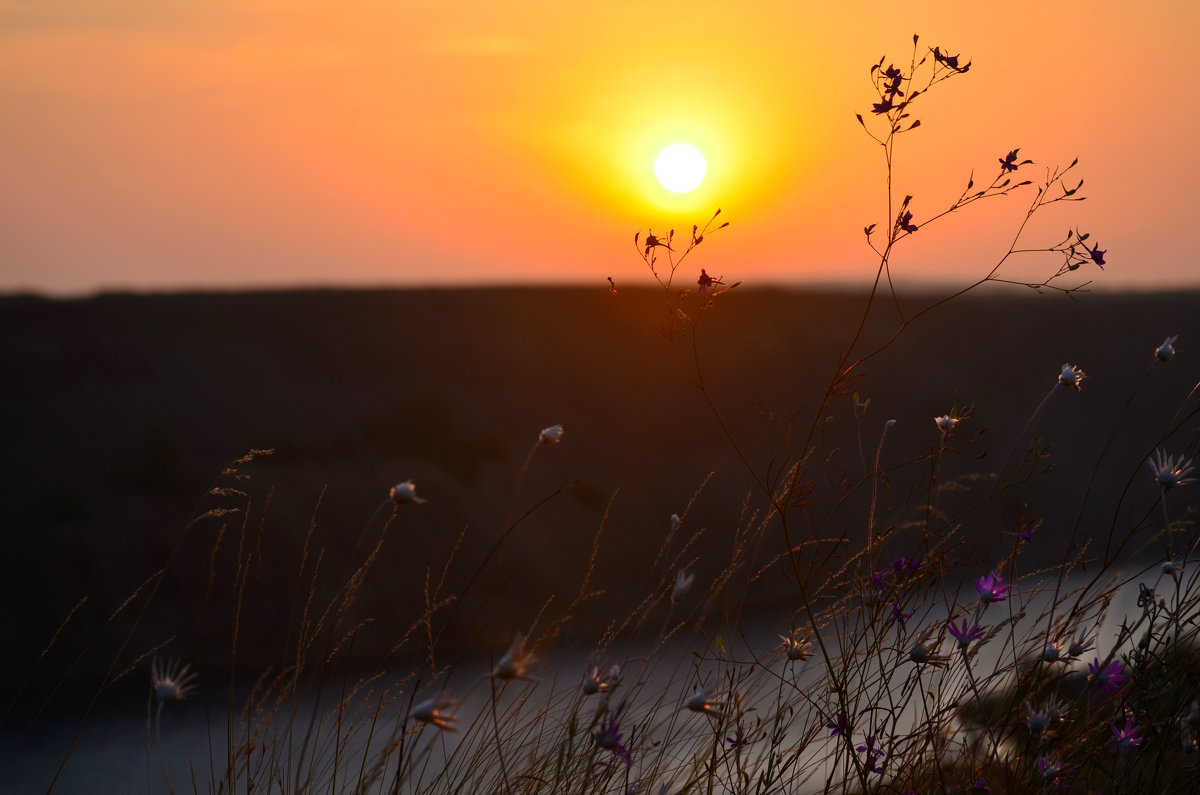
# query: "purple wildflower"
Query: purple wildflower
{"points": [[906, 223], [897, 615], [609, 737], [838, 725], [992, 588], [966, 632], [1097, 255], [1107, 676], [1052, 770], [882, 107], [906, 565], [1126, 739], [872, 752], [737, 740]]}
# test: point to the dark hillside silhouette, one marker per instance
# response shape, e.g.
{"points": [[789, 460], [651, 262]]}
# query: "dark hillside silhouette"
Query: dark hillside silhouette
{"points": [[120, 410]]}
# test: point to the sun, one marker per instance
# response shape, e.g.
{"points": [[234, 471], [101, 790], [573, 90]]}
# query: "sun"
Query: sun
{"points": [[680, 168]]}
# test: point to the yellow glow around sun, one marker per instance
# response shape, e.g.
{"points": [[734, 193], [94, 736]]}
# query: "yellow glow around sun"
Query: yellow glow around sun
{"points": [[608, 147], [680, 168]]}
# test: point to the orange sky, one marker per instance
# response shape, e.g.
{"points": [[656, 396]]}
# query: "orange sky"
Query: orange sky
{"points": [[229, 143]]}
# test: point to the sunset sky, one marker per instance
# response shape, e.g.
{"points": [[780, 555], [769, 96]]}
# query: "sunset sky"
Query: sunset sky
{"points": [[238, 143]]}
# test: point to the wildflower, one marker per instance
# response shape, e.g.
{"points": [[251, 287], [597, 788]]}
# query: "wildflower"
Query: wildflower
{"points": [[1042, 721], [1009, 163], [437, 711], [1026, 530], [515, 662], [550, 436], [894, 77], [1166, 351], [1126, 739], [1039, 722], [1079, 645], [1170, 568], [1097, 254], [906, 223], [737, 740], [946, 424], [882, 107], [653, 240], [595, 682], [704, 701], [838, 726], [1070, 376], [1107, 676], [872, 752], [172, 680], [949, 60], [992, 588], [1169, 471], [796, 649], [1052, 770], [675, 520], [404, 492], [683, 584], [609, 738], [1145, 595], [1052, 653], [966, 632], [706, 282], [898, 616], [921, 655]]}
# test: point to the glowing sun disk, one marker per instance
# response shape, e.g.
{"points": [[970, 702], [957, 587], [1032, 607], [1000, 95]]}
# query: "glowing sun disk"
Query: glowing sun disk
{"points": [[680, 168]]}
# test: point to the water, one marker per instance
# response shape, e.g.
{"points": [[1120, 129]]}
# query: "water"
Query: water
{"points": [[117, 750]]}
